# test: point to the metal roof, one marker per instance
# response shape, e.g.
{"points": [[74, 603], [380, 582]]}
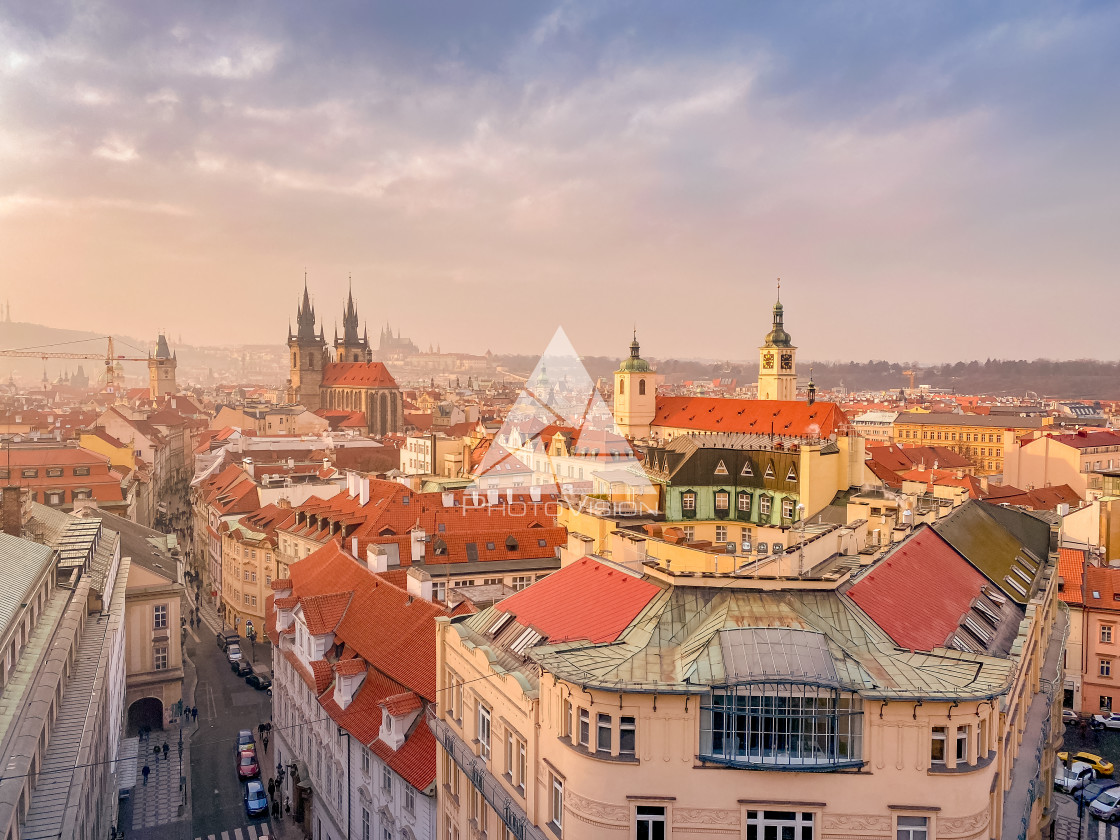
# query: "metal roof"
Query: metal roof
{"points": [[21, 563]]}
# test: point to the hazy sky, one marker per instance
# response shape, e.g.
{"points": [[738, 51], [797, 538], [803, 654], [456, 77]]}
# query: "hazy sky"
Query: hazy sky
{"points": [[931, 180]]}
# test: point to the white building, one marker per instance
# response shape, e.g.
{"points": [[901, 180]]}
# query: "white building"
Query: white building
{"points": [[354, 662]]}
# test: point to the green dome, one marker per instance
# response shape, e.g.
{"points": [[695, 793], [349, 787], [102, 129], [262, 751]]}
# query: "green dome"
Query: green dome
{"points": [[778, 337], [634, 364]]}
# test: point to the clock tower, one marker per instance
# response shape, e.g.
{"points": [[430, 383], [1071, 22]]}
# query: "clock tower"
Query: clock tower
{"points": [[777, 360]]}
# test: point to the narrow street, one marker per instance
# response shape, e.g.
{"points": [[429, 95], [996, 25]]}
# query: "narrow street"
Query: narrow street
{"points": [[225, 704]]}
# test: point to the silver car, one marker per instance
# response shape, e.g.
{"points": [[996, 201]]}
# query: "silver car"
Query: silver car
{"points": [[1107, 805]]}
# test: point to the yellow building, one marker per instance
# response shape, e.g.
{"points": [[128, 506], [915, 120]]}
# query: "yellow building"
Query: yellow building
{"points": [[250, 560], [777, 361], [982, 438], [626, 701]]}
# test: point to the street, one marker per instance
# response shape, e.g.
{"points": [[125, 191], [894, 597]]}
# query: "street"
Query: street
{"points": [[225, 705]]}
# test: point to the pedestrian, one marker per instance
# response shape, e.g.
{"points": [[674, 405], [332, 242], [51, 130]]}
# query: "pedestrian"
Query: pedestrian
{"points": [[194, 713], [166, 750], [260, 730], [288, 805], [265, 739], [271, 786], [275, 808], [146, 771], [155, 751]]}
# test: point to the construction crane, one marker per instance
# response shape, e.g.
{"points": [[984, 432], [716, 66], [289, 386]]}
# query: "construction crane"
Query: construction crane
{"points": [[110, 358]]}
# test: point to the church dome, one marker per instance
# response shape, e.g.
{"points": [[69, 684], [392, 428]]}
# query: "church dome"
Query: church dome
{"points": [[634, 364], [778, 337]]}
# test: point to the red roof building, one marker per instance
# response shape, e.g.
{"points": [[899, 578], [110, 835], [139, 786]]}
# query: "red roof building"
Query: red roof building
{"points": [[560, 609], [818, 421], [919, 592], [59, 475], [366, 651]]}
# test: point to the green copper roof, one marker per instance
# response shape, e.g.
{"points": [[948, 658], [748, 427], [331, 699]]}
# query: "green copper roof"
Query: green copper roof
{"points": [[634, 364]]}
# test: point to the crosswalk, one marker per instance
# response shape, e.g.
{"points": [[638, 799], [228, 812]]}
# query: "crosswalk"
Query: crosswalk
{"points": [[1107, 832], [251, 832]]}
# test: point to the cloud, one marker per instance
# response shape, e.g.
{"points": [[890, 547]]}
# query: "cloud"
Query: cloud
{"points": [[619, 153]]}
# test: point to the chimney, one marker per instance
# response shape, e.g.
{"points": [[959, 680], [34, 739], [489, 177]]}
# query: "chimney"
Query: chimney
{"points": [[418, 538], [419, 584], [377, 558], [12, 511], [284, 503], [363, 492]]}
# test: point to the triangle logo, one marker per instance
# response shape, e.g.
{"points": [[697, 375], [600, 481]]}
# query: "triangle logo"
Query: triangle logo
{"points": [[560, 436]]}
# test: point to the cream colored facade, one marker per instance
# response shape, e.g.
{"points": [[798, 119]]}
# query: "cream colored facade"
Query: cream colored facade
{"points": [[249, 565], [153, 643], [572, 759], [1049, 461]]}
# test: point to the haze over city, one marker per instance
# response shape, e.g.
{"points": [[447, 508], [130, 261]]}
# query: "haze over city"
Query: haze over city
{"points": [[931, 181]]}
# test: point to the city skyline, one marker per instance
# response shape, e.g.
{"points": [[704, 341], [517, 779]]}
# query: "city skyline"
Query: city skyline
{"points": [[921, 177]]}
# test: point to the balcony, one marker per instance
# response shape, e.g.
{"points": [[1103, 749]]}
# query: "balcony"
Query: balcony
{"points": [[495, 794]]}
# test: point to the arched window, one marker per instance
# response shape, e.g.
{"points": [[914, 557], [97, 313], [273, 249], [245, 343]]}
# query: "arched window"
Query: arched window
{"points": [[621, 387], [641, 387]]}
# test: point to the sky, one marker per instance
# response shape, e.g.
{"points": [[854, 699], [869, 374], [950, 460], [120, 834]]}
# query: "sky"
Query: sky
{"points": [[932, 181]]}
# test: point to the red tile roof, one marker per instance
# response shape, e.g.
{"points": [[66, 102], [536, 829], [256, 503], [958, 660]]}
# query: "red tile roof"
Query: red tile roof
{"points": [[322, 613], [401, 704], [1102, 588], [1071, 568], [350, 667], [585, 600], [401, 642], [358, 375], [321, 669], [281, 584], [919, 592], [715, 414]]}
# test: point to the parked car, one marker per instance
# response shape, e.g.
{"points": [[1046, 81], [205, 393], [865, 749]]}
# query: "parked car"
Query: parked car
{"points": [[241, 668], [1107, 805], [1108, 721], [1090, 792], [256, 800], [247, 767], [1099, 765], [1076, 776], [233, 652], [246, 741], [1070, 716], [260, 682], [227, 638]]}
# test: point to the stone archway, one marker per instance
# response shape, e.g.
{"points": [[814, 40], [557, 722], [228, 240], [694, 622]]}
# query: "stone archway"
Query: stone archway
{"points": [[147, 711]]}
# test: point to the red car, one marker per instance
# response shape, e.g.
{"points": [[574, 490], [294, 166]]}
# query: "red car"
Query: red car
{"points": [[247, 767]]}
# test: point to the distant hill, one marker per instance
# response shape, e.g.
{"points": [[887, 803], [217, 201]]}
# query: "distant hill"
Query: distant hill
{"points": [[1076, 379]]}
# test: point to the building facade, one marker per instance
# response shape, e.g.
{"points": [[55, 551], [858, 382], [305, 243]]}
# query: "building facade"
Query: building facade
{"points": [[352, 381], [564, 714]]}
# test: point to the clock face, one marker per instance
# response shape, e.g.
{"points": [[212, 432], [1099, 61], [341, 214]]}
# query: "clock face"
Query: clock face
{"points": [[787, 361], [768, 361]]}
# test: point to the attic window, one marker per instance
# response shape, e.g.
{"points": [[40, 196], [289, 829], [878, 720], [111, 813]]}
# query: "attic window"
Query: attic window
{"points": [[542, 543], [792, 474], [439, 548], [527, 639], [721, 468], [441, 527], [404, 500], [511, 543], [499, 623], [1096, 594], [472, 551], [489, 546], [769, 471], [1018, 587], [746, 470]]}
